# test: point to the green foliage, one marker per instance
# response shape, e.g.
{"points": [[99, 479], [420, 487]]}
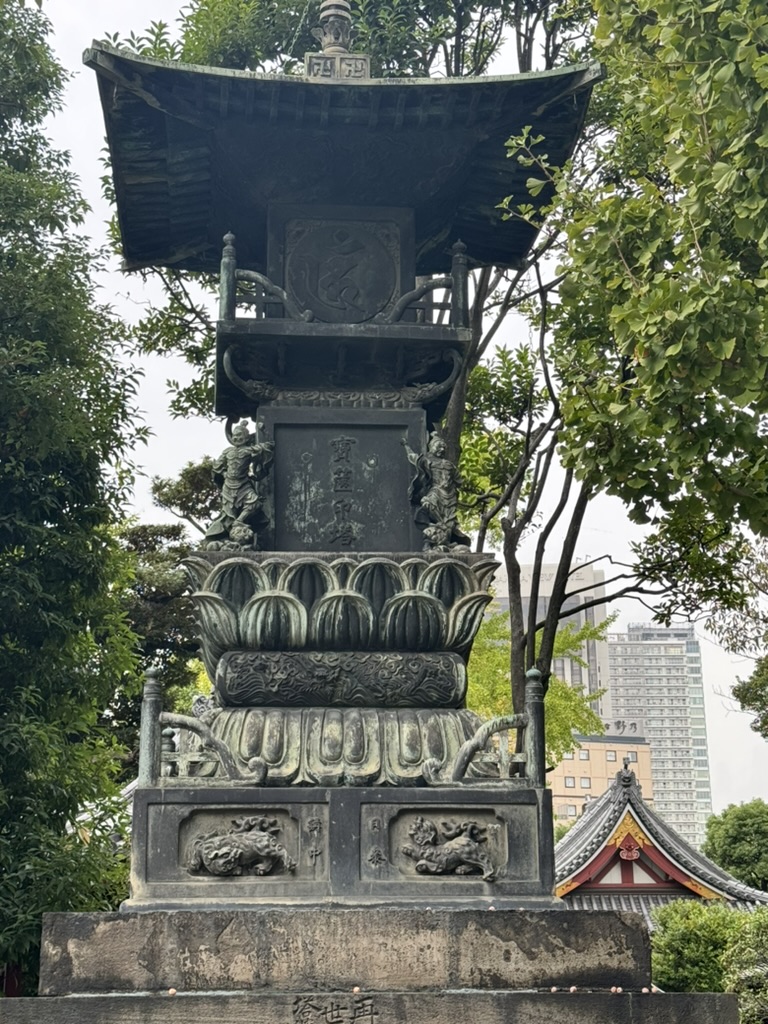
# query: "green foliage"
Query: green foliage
{"points": [[737, 840], [64, 405], [402, 39], [252, 34], [743, 627], [504, 396], [745, 966], [191, 496], [752, 695], [661, 333], [567, 708], [160, 613], [157, 607], [182, 325], [695, 560], [688, 944], [709, 947]]}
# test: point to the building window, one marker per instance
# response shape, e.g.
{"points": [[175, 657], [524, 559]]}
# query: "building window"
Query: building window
{"points": [[583, 755], [570, 782], [571, 810], [610, 755], [586, 783], [631, 755], [568, 755]]}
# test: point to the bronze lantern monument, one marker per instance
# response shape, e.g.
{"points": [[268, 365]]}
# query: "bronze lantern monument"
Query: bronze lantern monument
{"points": [[337, 597]]}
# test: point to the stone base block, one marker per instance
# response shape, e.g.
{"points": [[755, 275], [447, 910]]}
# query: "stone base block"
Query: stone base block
{"points": [[336, 950], [453, 846], [367, 1007]]}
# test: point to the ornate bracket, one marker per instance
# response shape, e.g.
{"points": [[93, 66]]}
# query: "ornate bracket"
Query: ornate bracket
{"points": [[436, 773], [410, 297], [154, 749], [257, 768], [294, 311], [412, 394], [457, 284], [531, 722], [477, 742], [230, 275]]}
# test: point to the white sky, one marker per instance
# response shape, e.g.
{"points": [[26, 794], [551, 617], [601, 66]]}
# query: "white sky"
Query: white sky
{"points": [[738, 757]]}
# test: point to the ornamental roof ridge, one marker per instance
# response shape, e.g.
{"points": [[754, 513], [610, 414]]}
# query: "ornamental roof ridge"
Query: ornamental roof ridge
{"points": [[593, 829], [595, 69]]}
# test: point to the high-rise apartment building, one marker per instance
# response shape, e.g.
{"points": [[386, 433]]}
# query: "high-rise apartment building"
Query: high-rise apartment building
{"points": [[655, 679], [586, 586]]}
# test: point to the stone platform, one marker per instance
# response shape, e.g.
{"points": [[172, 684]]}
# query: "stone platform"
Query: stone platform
{"points": [[331, 966], [367, 1007]]}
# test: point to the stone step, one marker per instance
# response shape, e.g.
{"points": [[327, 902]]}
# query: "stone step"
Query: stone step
{"points": [[364, 1007]]}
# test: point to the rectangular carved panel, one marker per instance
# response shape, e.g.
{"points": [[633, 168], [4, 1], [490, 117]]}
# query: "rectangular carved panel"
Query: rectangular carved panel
{"points": [[341, 479]]}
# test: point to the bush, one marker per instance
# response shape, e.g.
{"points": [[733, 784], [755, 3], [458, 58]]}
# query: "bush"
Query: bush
{"points": [[688, 944], [745, 966]]}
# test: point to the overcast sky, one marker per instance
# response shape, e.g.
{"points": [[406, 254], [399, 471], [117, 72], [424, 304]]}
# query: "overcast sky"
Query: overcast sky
{"points": [[738, 757]]}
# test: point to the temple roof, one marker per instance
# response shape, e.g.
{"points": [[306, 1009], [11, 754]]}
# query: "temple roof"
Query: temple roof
{"points": [[582, 855], [199, 151]]}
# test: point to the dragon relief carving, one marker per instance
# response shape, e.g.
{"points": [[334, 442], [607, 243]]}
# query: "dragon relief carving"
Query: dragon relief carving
{"points": [[460, 851], [250, 847]]}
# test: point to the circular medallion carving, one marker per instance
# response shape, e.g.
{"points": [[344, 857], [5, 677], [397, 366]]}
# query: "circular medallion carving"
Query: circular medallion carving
{"points": [[342, 272]]}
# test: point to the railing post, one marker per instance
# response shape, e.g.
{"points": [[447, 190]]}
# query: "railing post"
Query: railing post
{"points": [[460, 290], [150, 736], [167, 747], [534, 732], [227, 284]]}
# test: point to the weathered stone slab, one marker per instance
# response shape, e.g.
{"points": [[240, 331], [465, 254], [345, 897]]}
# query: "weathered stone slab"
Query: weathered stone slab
{"points": [[369, 1007], [340, 949]]}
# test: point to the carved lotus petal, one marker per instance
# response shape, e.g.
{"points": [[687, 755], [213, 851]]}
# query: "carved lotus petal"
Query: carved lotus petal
{"points": [[448, 581], [273, 621], [344, 567], [237, 580], [464, 621], [413, 568], [274, 568], [378, 580], [308, 579], [484, 571], [413, 621], [197, 569], [217, 622], [342, 621]]}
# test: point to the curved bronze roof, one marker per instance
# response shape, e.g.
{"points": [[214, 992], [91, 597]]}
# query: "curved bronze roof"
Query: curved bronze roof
{"points": [[199, 151]]}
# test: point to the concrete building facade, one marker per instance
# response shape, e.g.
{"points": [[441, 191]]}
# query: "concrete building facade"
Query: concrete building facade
{"points": [[656, 680], [585, 774]]}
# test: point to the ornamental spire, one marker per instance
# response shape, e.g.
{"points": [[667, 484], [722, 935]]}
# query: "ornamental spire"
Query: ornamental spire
{"points": [[334, 33]]}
